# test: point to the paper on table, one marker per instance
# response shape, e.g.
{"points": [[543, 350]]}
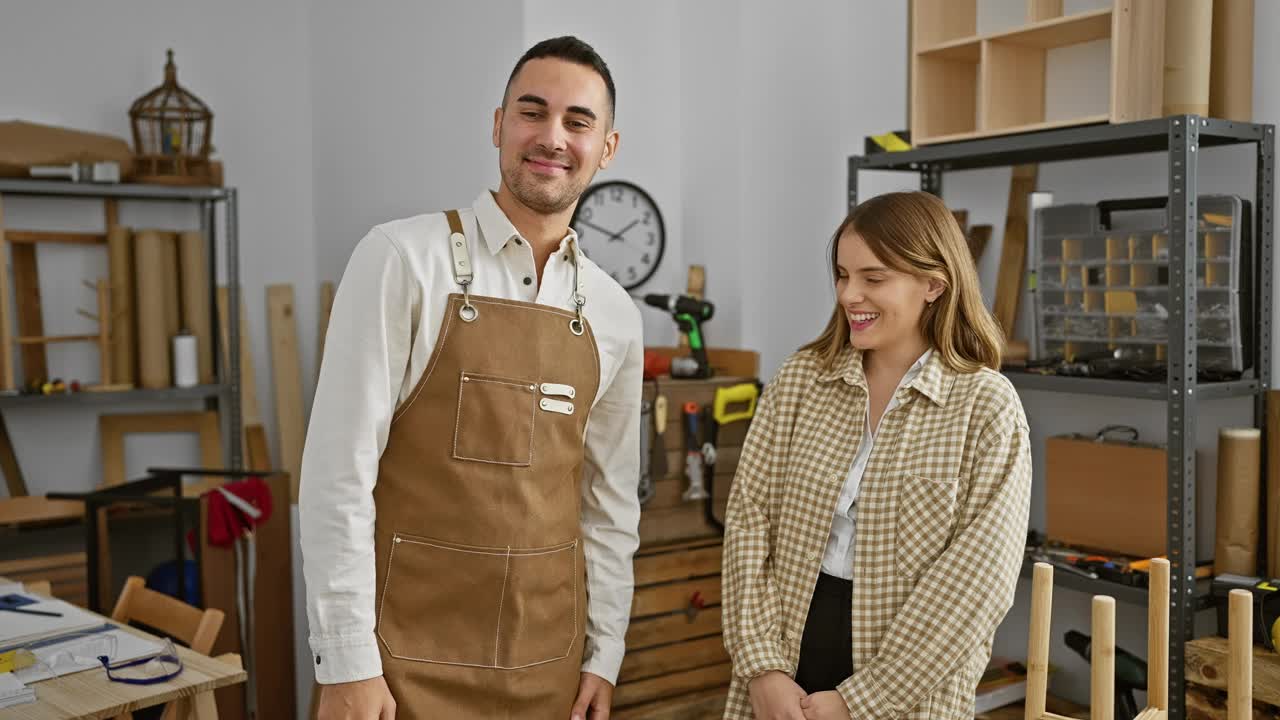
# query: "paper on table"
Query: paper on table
{"points": [[13, 692], [18, 628], [81, 653]]}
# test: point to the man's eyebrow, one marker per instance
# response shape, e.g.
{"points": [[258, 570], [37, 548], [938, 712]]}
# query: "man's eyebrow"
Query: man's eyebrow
{"points": [[577, 109]]}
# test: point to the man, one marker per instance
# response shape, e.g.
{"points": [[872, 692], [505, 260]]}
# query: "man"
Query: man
{"points": [[467, 533]]}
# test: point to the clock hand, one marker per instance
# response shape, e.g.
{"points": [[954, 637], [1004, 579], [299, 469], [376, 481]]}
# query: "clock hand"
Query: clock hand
{"points": [[618, 235], [593, 226]]}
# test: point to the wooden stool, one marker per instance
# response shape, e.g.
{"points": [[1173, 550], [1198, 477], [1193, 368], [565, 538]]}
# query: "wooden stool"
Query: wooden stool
{"points": [[1103, 648]]}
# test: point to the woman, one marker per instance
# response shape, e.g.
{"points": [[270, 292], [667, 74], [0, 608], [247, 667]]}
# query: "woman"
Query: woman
{"points": [[876, 524]]}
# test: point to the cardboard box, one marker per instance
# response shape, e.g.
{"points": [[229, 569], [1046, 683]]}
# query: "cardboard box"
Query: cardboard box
{"points": [[1106, 495]]}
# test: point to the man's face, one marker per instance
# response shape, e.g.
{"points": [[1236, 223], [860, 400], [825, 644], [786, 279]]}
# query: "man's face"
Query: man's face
{"points": [[553, 133]]}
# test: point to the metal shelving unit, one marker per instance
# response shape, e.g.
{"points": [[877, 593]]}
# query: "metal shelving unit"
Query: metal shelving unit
{"points": [[225, 395], [1180, 137]]}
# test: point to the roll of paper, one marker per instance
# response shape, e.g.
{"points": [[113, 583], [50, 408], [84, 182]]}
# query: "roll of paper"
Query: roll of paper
{"points": [[153, 344], [1239, 487], [193, 263], [186, 366]]}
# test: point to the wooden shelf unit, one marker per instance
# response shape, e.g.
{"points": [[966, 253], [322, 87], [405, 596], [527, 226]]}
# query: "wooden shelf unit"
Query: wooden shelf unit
{"points": [[967, 86]]}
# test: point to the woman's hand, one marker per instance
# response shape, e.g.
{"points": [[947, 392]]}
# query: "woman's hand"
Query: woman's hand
{"points": [[775, 696], [827, 705]]}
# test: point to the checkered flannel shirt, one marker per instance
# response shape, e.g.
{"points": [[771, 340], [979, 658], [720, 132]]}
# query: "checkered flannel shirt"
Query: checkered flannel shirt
{"points": [[941, 520]]}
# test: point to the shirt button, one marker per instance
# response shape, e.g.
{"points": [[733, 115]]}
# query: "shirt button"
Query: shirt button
{"points": [[528, 281], [317, 659], [519, 241]]}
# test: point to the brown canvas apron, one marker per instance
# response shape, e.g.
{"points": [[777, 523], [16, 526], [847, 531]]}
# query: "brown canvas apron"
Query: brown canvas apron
{"points": [[481, 594]]}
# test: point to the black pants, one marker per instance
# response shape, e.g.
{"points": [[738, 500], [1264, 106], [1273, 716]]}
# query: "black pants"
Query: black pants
{"points": [[826, 649]]}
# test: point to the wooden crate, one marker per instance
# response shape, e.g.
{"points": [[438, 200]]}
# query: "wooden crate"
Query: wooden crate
{"points": [[1207, 661], [676, 667], [965, 85]]}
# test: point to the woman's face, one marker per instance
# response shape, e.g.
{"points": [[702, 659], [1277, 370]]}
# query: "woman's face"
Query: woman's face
{"points": [[883, 306]]}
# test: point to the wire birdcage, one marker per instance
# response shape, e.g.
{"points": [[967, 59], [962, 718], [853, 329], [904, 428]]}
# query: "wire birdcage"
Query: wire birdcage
{"points": [[172, 129]]}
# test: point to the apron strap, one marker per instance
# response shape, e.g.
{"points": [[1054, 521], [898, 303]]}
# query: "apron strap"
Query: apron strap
{"points": [[462, 273]]}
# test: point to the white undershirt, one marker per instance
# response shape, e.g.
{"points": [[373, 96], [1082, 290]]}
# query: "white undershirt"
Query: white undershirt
{"points": [[838, 559]]}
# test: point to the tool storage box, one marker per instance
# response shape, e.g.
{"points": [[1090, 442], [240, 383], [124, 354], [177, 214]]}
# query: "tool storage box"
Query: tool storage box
{"points": [[676, 665], [1102, 279]]}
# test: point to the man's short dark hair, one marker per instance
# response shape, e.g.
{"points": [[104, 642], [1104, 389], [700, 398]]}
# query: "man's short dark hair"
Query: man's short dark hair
{"points": [[570, 49]]}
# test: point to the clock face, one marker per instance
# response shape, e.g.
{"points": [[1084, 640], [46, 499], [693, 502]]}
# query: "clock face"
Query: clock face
{"points": [[620, 229]]}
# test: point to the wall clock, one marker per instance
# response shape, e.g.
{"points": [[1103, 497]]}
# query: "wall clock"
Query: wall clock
{"points": [[620, 228]]}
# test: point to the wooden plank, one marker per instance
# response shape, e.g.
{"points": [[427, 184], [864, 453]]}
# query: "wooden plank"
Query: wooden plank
{"points": [[1013, 79], [1187, 38], [938, 21], [40, 340], [1013, 256], [9, 463], [673, 684], [257, 455], [1039, 10], [662, 599], [326, 307], [1033, 127], [701, 705], [1271, 512], [124, 315], [679, 523], [38, 509], [673, 627], [1231, 64], [643, 664], [113, 428], [1137, 60], [35, 237], [681, 565], [287, 377], [250, 415], [1207, 661], [26, 291], [7, 381]]}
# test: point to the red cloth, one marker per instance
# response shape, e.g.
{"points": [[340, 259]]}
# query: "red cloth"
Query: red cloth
{"points": [[226, 522]]}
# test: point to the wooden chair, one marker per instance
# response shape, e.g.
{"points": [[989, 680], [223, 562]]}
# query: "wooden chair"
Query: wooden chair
{"points": [[1103, 651], [198, 629], [38, 587]]}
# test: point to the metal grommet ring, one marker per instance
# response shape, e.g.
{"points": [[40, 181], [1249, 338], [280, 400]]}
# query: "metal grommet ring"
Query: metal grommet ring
{"points": [[575, 326], [468, 312]]}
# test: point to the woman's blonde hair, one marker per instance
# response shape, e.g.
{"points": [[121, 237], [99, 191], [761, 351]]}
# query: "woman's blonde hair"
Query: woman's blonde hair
{"points": [[915, 233]]}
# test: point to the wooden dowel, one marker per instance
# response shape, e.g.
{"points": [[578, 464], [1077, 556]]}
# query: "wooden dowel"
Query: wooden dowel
{"points": [[1240, 663], [31, 237], [1038, 640], [1158, 636], [1102, 654], [47, 339]]}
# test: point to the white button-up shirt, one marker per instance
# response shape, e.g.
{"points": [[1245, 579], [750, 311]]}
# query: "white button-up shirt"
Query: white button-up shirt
{"points": [[382, 330], [838, 559]]}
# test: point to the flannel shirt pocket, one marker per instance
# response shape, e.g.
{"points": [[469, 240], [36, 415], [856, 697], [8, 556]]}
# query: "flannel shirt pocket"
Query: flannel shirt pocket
{"points": [[926, 511]]}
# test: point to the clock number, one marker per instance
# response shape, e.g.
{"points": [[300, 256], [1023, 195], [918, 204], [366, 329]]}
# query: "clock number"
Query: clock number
{"points": [[647, 216], [586, 213], [645, 259], [631, 274], [653, 237], [599, 198], [635, 200], [616, 194]]}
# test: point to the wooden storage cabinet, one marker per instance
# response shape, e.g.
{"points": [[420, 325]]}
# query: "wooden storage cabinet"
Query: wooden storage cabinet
{"points": [[676, 667], [965, 85]]}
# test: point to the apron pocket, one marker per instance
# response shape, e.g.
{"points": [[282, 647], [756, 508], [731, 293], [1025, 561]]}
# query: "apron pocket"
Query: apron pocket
{"points": [[925, 510], [495, 419], [540, 606], [442, 601]]}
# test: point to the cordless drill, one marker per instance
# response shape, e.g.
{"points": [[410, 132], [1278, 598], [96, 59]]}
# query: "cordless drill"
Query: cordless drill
{"points": [[1131, 673], [689, 314]]}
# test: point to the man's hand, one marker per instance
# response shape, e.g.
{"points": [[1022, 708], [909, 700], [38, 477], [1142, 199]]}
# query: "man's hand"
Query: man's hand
{"points": [[595, 695], [363, 700], [827, 705], [775, 696]]}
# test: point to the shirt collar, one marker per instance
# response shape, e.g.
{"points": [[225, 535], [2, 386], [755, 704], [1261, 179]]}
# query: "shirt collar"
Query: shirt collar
{"points": [[496, 229], [928, 375]]}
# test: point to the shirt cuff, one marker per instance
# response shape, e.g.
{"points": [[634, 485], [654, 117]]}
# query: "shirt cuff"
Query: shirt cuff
{"points": [[865, 699], [757, 656], [343, 660], [605, 660]]}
